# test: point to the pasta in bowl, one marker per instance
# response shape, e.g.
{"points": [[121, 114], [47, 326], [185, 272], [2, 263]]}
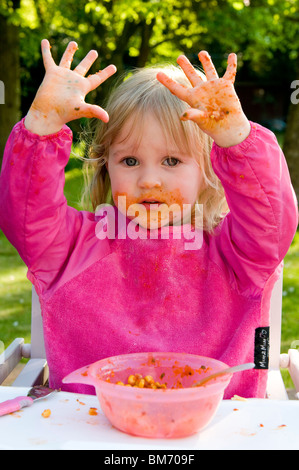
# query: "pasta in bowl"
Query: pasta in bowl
{"points": [[151, 394]]}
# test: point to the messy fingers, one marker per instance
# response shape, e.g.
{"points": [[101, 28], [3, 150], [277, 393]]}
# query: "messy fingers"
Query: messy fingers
{"points": [[195, 115], [96, 79], [46, 53], [208, 65], [231, 69], [68, 55], [93, 111], [86, 63], [175, 88], [190, 72]]}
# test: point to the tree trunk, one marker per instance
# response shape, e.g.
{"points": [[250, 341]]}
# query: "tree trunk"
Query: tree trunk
{"points": [[146, 34], [10, 76]]}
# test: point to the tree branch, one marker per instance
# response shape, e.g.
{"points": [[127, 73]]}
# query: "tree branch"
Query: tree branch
{"points": [[174, 37], [146, 33]]}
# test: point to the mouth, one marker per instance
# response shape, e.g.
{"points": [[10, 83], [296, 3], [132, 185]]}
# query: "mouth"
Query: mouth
{"points": [[150, 199], [151, 202]]}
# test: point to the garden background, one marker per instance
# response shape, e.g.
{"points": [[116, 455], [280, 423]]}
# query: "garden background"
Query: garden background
{"points": [[135, 33]]}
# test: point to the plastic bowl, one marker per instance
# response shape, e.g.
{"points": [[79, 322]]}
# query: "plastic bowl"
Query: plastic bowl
{"points": [[177, 411]]}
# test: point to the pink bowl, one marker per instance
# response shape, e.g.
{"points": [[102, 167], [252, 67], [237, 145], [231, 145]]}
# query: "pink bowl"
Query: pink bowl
{"points": [[177, 411]]}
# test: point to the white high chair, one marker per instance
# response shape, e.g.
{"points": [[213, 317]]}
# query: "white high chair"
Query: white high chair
{"points": [[36, 371], [275, 386]]}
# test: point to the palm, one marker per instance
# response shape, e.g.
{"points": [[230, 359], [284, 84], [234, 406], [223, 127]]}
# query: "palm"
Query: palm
{"points": [[213, 102], [63, 90], [214, 98]]}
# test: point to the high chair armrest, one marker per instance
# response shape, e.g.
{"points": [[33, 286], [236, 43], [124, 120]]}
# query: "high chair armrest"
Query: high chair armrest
{"points": [[275, 386], [294, 368], [35, 372], [10, 357]]}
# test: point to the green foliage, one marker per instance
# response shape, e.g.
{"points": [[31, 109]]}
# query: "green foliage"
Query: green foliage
{"points": [[136, 33], [20, 13], [163, 27]]}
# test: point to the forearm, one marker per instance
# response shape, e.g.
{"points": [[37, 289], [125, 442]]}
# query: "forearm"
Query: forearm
{"points": [[31, 186], [233, 136], [42, 123], [263, 217]]}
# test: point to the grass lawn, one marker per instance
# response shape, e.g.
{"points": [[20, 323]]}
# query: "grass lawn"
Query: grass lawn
{"points": [[15, 289]]}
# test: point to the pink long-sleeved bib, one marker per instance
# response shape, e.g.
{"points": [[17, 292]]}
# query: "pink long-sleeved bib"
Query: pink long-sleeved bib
{"points": [[104, 296]]}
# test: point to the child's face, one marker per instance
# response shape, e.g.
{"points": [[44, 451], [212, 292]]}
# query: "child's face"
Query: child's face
{"points": [[154, 180]]}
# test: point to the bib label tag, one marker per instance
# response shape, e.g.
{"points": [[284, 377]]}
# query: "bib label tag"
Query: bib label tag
{"points": [[261, 347]]}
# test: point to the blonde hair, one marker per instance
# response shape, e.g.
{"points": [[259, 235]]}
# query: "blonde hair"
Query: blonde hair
{"points": [[136, 96]]}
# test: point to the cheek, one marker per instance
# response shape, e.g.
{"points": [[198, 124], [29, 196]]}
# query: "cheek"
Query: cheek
{"points": [[191, 188], [120, 185], [122, 198], [197, 182]]}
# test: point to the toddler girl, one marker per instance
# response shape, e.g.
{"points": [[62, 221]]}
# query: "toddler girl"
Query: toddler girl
{"points": [[128, 278]]}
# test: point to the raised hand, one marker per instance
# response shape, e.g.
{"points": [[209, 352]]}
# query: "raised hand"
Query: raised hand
{"points": [[61, 96], [213, 102]]}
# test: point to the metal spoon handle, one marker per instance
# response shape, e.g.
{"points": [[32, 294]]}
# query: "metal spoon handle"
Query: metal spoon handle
{"points": [[229, 370]]}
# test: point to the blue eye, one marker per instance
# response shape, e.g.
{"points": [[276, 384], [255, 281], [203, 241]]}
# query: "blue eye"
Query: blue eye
{"points": [[172, 161], [130, 161]]}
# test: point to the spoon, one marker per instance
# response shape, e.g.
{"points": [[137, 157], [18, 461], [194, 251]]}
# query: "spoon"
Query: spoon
{"points": [[35, 393], [229, 370]]}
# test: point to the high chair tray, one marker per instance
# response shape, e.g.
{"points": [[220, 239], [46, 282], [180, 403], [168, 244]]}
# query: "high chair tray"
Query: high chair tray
{"points": [[77, 422]]}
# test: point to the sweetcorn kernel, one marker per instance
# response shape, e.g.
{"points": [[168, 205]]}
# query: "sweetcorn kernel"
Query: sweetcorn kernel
{"points": [[137, 380], [141, 383], [149, 379], [132, 380], [46, 413]]}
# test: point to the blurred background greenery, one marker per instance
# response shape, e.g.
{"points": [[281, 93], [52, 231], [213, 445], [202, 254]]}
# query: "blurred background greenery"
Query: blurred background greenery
{"points": [[136, 33]]}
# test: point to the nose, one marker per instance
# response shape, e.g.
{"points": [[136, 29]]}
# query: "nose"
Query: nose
{"points": [[149, 179]]}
